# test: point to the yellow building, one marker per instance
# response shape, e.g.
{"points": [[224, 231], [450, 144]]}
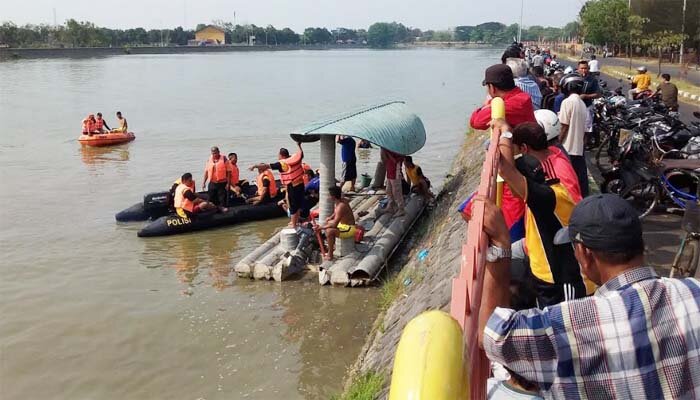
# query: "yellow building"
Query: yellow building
{"points": [[211, 35]]}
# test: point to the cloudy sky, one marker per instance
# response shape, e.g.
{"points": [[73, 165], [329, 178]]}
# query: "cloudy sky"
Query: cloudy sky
{"points": [[296, 14]]}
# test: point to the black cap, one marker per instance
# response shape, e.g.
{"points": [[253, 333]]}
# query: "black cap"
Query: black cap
{"points": [[500, 75], [530, 168], [606, 222]]}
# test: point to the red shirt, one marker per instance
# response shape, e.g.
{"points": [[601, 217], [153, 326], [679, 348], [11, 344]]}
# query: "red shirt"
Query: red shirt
{"points": [[518, 109], [393, 164], [558, 166]]}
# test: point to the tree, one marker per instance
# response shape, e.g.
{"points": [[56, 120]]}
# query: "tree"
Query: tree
{"points": [[664, 40], [317, 36], [636, 27], [606, 22], [380, 35], [464, 33]]}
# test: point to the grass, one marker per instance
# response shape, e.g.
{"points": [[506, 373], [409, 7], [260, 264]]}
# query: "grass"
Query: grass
{"points": [[681, 83], [367, 386]]}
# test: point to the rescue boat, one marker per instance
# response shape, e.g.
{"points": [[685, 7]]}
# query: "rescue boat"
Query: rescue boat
{"points": [[106, 139], [157, 207]]}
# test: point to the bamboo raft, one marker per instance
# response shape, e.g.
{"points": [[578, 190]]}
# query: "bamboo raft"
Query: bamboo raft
{"points": [[354, 264]]}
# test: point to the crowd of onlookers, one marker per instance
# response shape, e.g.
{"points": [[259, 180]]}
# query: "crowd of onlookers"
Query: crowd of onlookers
{"points": [[569, 309]]}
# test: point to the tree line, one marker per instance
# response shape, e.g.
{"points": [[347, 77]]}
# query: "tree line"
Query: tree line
{"points": [[380, 35]]}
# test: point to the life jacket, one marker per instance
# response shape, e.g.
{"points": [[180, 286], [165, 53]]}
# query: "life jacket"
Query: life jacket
{"points": [[235, 174], [181, 202], [295, 172], [88, 125], [306, 167], [217, 169], [272, 189], [99, 124]]}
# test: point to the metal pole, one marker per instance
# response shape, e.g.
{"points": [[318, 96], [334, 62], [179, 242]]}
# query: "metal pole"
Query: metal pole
{"points": [[520, 26], [680, 59], [327, 171], [629, 40]]}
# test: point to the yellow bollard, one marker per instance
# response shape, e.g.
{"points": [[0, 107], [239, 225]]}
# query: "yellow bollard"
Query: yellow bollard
{"points": [[429, 363]]}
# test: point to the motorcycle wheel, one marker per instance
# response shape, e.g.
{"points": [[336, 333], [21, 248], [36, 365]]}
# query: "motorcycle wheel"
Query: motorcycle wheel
{"points": [[643, 196], [601, 155]]}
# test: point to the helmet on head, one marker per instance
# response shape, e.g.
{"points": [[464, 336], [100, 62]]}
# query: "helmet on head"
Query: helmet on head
{"points": [[568, 70], [571, 82], [549, 121], [642, 69]]}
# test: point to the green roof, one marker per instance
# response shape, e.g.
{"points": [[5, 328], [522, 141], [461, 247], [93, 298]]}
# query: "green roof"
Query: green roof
{"points": [[389, 125]]}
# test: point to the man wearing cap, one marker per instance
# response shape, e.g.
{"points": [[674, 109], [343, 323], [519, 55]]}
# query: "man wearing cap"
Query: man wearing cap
{"points": [[499, 82], [636, 338]]}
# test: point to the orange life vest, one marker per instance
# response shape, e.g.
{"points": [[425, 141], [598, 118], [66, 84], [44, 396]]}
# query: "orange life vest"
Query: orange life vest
{"points": [[295, 172], [306, 167], [99, 124], [217, 169], [272, 189], [235, 174], [88, 125], [182, 202]]}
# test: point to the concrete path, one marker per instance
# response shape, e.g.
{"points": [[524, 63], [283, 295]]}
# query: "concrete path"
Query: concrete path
{"points": [[671, 69]]}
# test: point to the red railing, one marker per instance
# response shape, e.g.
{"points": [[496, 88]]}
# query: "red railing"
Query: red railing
{"points": [[467, 287]]}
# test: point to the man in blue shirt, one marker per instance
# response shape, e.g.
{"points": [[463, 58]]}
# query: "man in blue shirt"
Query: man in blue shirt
{"points": [[347, 156]]}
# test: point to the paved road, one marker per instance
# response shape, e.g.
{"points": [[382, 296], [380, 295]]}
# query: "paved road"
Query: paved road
{"points": [[673, 70]]}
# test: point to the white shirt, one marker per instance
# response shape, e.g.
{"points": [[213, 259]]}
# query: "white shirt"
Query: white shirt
{"points": [[573, 113], [593, 65], [538, 61]]}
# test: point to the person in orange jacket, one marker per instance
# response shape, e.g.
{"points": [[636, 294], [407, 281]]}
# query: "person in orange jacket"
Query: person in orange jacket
{"points": [[218, 174]]}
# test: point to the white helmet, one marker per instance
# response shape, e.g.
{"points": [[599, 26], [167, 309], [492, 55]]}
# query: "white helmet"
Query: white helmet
{"points": [[618, 101], [549, 121], [642, 69], [568, 70]]}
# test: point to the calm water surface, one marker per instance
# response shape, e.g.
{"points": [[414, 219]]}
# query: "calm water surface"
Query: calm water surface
{"points": [[89, 311]]}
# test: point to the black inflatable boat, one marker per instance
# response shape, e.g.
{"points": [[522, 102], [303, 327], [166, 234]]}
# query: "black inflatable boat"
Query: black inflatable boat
{"points": [[173, 224]]}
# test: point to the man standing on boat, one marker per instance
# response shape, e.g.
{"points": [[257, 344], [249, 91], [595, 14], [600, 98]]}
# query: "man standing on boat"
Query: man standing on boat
{"points": [[292, 176], [218, 173]]}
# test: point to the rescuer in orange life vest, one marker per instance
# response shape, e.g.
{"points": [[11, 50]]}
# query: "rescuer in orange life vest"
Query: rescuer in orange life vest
{"points": [[89, 125], [236, 184], [218, 173], [187, 203], [100, 124], [292, 176], [267, 187]]}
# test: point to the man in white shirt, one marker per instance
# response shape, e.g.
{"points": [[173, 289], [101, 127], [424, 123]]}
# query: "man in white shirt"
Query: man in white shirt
{"points": [[593, 66], [572, 117], [538, 60]]}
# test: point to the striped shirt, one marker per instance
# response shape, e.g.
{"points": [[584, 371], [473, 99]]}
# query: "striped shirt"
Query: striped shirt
{"points": [[637, 338], [530, 87]]}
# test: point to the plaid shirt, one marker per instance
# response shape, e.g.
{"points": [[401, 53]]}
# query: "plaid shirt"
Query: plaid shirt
{"points": [[530, 87], [637, 338]]}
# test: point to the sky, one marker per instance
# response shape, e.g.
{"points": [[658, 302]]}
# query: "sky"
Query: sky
{"points": [[296, 14]]}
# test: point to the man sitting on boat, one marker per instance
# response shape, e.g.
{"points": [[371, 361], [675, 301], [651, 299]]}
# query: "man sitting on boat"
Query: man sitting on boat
{"points": [[235, 181], [267, 187], [341, 224], [89, 125], [187, 203], [100, 124], [123, 125]]}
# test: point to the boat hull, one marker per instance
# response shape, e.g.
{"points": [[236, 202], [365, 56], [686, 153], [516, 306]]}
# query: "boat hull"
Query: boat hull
{"points": [[106, 139]]}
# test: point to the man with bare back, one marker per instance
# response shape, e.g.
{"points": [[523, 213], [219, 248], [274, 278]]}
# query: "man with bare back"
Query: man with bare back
{"points": [[341, 224]]}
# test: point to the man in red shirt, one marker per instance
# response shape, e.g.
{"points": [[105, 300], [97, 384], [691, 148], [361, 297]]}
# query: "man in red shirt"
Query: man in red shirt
{"points": [[499, 82]]}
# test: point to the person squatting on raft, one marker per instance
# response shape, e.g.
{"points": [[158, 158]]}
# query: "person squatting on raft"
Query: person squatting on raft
{"points": [[267, 187], [419, 183], [292, 175], [218, 173], [341, 224], [187, 203]]}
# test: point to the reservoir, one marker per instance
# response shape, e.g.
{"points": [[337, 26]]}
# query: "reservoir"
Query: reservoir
{"points": [[88, 310]]}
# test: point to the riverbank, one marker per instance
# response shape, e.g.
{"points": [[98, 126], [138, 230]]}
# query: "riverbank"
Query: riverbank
{"points": [[425, 284], [84, 52]]}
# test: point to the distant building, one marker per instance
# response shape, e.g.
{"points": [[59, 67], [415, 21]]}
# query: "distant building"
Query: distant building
{"points": [[210, 36]]}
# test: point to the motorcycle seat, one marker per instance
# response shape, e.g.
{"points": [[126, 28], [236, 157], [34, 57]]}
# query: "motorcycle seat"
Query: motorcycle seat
{"points": [[686, 164]]}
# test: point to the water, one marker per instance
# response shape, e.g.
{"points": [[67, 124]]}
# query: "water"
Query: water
{"points": [[91, 311]]}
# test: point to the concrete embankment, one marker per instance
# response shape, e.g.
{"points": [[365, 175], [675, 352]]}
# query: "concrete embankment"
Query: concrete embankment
{"points": [[84, 52], [427, 284]]}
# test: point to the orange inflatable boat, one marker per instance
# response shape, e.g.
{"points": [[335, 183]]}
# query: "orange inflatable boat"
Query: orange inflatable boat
{"points": [[106, 139]]}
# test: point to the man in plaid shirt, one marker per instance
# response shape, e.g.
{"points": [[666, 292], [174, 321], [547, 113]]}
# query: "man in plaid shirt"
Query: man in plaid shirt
{"points": [[637, 337]]}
